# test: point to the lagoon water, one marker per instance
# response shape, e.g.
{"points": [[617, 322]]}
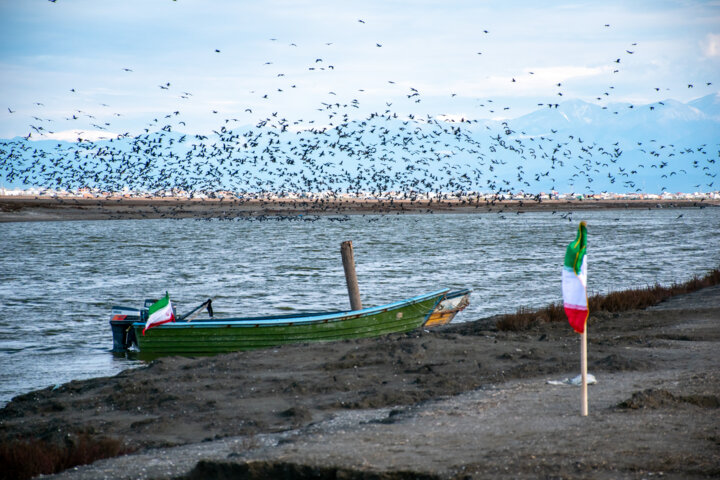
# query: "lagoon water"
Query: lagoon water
{"points": [[58, 280]]}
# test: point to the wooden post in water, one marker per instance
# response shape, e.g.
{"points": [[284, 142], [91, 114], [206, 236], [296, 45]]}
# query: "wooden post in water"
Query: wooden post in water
{"points": [[348, 259]]}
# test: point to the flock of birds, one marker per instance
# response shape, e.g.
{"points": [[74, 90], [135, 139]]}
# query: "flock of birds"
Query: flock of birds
{"points": [[341, 152]]}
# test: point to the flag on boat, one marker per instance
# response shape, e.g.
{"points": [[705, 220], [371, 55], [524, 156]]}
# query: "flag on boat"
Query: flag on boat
{"points": [[160, 312], [574, 281]]}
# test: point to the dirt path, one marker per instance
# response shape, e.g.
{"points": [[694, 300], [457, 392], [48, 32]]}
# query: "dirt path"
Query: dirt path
{"points": [[464, 402]]}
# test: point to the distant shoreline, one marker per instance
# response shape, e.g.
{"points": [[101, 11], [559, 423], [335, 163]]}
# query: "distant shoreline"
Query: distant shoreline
{"points": [[36, 208]]}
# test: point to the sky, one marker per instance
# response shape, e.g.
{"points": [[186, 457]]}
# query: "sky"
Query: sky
{"points": [[108, 68]]}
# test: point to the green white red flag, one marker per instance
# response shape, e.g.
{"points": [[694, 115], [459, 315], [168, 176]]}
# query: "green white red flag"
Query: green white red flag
{"points": [[159, 312], [574, 281]]}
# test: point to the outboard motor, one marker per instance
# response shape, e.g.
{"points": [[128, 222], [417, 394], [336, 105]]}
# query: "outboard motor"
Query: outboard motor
{"points": [[121, 320]]}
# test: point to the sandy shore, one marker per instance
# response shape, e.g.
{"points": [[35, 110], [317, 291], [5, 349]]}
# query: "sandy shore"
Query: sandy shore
{"points": [[464, 401], [25, 209]]}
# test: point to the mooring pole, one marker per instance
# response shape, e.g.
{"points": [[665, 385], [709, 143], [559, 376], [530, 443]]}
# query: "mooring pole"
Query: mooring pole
{"points": [[348, 259]]}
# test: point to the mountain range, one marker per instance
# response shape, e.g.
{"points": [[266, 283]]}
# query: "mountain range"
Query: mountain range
{"points": [[572, 146]]}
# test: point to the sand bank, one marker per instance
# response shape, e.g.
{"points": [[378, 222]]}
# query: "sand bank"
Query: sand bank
{"points": [[25, 209]]}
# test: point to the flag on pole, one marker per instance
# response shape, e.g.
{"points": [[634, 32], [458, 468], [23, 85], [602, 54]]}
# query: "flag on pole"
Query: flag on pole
{"points": [[574, 281], [160, 312]]}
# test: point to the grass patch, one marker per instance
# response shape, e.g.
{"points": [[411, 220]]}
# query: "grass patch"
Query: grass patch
{"points": [[632, 299], [23, 459]]}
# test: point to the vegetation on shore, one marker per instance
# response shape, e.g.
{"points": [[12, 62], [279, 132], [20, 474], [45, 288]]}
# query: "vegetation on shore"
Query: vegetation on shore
{"points": [[23, 459], [613, 302]]}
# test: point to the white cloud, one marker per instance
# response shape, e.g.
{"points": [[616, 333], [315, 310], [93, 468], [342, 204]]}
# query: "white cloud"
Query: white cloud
{"points": [[562, 73], [711, 45], [541, 81]]}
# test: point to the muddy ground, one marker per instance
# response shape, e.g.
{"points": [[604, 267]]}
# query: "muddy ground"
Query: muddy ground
{"points": [[463, 401]]}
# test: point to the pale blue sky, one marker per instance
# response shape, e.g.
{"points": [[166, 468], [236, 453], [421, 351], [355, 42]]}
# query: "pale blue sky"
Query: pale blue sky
{"points": [[303, 53]]}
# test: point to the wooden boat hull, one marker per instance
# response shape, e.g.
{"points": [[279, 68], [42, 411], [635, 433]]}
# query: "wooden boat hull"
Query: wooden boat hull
{"points": [[448, 307], [233, 334]]}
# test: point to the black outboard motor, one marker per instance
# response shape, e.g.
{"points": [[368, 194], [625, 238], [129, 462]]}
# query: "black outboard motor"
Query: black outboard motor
{"points": [[121, 321]]}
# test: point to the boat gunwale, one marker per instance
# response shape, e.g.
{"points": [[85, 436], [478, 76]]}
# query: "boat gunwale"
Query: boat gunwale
{"points": [[457, 293], [301, 318]]}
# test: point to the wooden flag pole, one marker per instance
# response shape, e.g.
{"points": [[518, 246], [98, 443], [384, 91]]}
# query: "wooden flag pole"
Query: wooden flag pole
{"points": [[583, 369]]}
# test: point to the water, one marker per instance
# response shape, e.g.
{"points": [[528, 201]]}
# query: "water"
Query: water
{"points": [[58, 280]]}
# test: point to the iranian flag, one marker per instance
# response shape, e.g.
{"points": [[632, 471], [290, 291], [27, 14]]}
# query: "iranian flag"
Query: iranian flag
{"points": [[574, 281], [159, 312]]}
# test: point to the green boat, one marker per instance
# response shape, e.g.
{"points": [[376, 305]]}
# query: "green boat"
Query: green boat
{"points": [[212, 335]]}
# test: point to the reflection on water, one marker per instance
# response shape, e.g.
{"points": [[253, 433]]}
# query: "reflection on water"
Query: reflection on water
{"points": [[58, 280]]}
